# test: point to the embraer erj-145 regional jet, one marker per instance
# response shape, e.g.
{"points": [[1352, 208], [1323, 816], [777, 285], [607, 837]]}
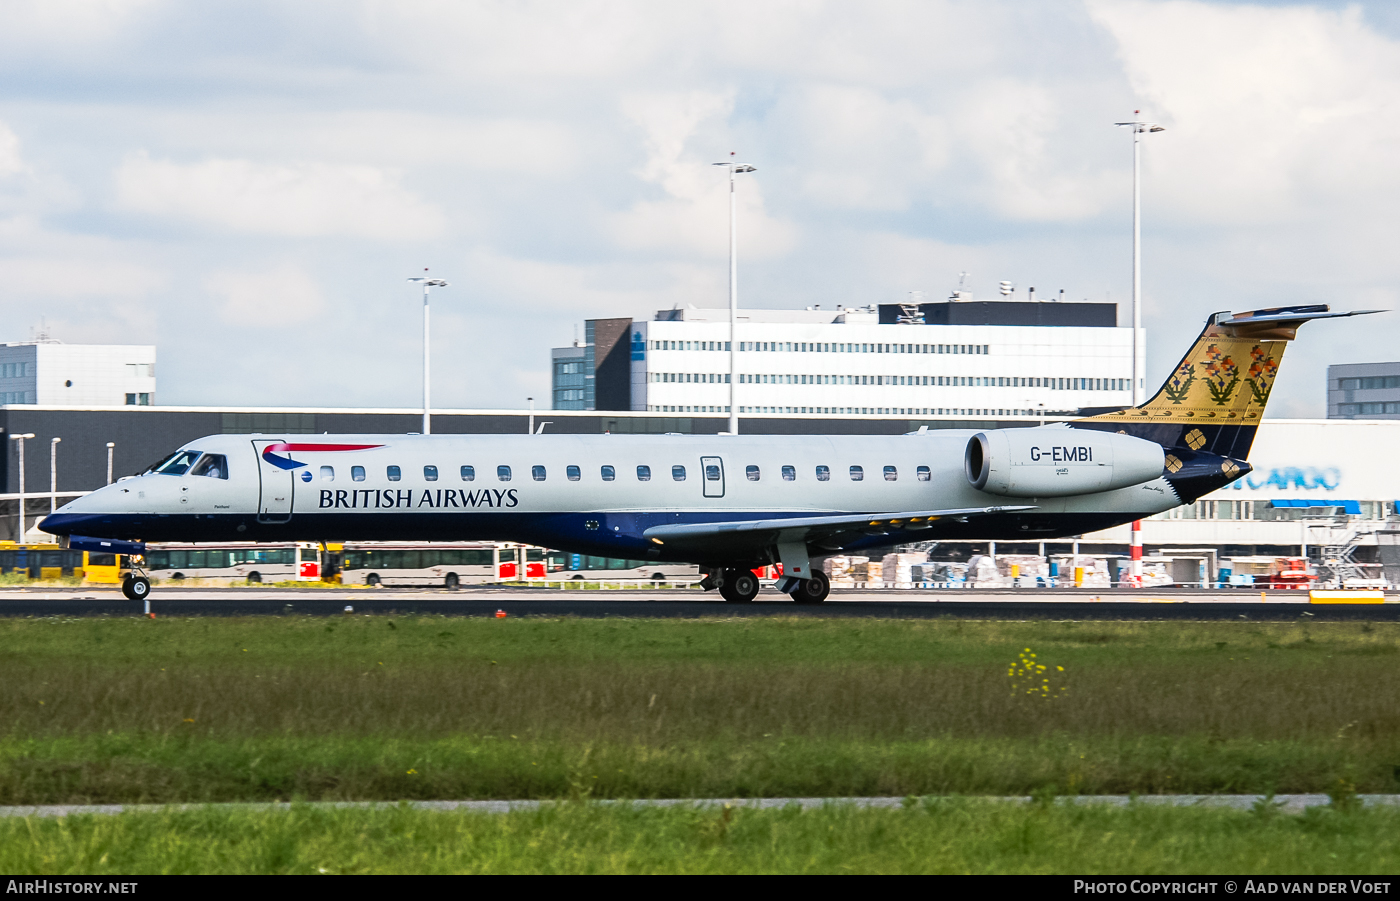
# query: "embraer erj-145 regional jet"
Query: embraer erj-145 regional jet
{"points": [[728, 503]]}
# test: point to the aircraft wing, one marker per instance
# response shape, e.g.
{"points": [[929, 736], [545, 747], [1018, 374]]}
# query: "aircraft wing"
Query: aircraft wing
{"points": [[810, 529]]}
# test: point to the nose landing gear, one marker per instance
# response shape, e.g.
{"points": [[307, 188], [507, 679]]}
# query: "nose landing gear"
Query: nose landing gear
{"points": [[136, 588]]}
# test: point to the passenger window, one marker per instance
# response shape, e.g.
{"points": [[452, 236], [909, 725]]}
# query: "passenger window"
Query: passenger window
{"points": [[468, 473], [215, 466], [789, 474], [609, 473], [678, 473], [503, 473], [823, 473], [857, 473], [643, 473], [430, 473], [923, 474], [394, 473], [357, 473], [328, 473], [891, 474], [537, 473], [751, 473], [573, 472], [712, 473]]}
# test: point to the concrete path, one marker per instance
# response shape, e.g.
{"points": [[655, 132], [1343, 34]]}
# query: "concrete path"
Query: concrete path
{"points": [[1293, 804]]}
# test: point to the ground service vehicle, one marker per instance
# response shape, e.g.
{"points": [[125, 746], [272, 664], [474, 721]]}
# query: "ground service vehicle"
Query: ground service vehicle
{"points": [[245, 561], [447, 564], [49, 561]]}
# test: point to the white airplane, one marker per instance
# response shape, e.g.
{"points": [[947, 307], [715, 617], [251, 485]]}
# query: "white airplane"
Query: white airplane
{"points": [[727, 503]]}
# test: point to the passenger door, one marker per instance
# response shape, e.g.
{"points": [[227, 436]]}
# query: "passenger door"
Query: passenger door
{"points": [[712, 474], [276, 485]]}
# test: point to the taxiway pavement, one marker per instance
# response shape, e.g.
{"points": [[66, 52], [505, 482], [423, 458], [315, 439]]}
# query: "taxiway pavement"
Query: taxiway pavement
{"points": [[648, 602]]}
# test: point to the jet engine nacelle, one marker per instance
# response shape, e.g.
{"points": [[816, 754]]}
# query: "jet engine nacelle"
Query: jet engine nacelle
{"points": [[1056, 462]]}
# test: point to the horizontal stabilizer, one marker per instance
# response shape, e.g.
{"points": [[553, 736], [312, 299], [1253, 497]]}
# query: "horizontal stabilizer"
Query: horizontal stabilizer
{"points": [[811, 528], [1292, 314]]}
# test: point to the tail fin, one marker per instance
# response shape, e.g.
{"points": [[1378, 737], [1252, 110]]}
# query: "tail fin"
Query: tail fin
{"points": [[1213, 401]]}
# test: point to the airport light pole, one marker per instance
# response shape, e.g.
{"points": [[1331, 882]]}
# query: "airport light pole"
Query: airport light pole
{"points": [[1139, 128], [20, 438], [53, 475], [1139, 387], [735, 168], [530, 429], [110, 445], [427, 411]]}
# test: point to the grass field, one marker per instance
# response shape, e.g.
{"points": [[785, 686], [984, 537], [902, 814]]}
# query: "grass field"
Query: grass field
{"points": [[214, 709], [937, 837]]}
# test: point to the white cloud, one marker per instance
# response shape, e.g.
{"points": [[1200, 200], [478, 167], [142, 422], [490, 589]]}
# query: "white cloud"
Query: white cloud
{"points": [[304, 200], [272, 297], [10, 161], [1272, 112], [862, 149], [693, 216], [557, 157]]}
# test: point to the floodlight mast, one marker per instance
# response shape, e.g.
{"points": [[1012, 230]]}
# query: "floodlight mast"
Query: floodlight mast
{"points": [[427, 407], [735, 168], [1139, 377], [53, 475], [1139, 382], [20, 447]]}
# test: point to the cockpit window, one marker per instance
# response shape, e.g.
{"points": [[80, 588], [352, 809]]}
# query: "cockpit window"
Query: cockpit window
{"points": [[161, 462], [215, 466], [177, 463]]}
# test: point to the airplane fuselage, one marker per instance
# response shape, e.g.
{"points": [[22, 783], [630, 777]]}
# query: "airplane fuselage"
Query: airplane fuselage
{"points": [[594, 494]]}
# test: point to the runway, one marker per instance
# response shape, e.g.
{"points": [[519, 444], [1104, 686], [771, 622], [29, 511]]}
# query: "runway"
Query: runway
{"points": [[646, 602]]}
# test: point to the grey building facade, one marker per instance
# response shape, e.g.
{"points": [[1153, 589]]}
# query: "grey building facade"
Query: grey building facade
{"points": [[596, 376], [1363, 391]]}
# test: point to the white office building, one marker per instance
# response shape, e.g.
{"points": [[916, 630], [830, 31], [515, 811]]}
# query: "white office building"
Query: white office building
{"points": [[962, 358], [50, 373]]}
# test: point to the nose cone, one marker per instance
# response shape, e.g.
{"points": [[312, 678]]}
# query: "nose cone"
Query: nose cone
{"points": [[99, 513]]}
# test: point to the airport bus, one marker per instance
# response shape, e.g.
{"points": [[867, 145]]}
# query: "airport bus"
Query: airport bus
{"points": [[449, 564], [49, 561], [576, 567], [476, 563], [240, 561]]}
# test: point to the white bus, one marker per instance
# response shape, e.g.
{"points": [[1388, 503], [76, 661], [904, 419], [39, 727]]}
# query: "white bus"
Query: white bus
{"points": [[577, 567], [448, 565], [247, 562]]}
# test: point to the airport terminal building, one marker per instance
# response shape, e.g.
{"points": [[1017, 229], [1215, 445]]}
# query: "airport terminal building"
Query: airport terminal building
{"points": [[963, 357]]}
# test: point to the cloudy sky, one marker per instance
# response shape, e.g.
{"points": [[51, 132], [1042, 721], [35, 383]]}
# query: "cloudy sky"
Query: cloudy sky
{"points": [[247, 185]]}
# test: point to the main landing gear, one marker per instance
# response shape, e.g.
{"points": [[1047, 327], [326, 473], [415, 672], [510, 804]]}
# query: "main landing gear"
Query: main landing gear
{"points": [[740, 586], [811, 590]]}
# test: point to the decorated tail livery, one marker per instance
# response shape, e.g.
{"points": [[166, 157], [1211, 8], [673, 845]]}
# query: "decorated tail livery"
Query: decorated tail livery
{"points": [[1206, 413]]}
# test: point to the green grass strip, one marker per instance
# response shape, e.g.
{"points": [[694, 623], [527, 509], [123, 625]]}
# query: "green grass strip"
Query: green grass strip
{"points": [[947, 836]]}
